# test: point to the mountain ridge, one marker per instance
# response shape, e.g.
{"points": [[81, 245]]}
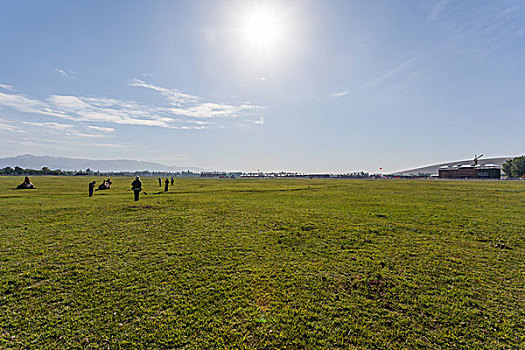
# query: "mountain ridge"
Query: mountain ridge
{"points": [[67, 163]]}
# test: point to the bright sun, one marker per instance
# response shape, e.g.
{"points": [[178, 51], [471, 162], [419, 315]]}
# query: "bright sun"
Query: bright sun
{"points": [[262, 29]]}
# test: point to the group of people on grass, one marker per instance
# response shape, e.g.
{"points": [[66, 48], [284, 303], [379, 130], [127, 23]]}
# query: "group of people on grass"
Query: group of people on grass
{"points": [[167, 182], [136, 186], [105, 185]]}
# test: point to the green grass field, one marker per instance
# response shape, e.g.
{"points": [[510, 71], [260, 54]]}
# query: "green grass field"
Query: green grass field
{"points": [[263, 264]]}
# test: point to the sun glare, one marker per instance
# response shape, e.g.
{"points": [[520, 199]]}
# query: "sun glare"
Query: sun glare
{"points": [[262, 29], [264, 37]]}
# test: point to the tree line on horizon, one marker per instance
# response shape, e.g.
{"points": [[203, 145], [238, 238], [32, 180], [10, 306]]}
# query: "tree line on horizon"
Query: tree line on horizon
{"points": [[512, 167], [19, 171], [16, 171]]}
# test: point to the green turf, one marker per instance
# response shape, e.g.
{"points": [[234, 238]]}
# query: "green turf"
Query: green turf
{"points": [[263, 264]]}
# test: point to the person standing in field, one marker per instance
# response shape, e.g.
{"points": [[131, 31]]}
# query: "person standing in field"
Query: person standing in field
{"points": [[172, 181], [136, 186], [160, 182], [167, 182], [91, 188]]}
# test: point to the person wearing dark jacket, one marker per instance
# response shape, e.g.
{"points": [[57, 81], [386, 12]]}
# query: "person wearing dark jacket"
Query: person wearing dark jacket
{"points": [[136, 186], [91, 188], [172, 181], [167, 182], [160, 182], [26, 185]]}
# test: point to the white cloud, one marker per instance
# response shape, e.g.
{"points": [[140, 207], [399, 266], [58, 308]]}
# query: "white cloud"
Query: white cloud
{"points": [[6, 87], [260, 121], [76, 134], [26, 105], [339, 94], [191, 106], [50, 125], [100, 128], [65, 74], [66, 130], [211, 110], [183, 114], [176, 97]]}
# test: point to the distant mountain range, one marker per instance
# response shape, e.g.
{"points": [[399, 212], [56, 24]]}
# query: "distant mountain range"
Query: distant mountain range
{"points": [[29, 161], [433, 169]]}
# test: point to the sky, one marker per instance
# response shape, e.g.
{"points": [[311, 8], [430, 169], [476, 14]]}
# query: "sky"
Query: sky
{"points": [[307, 86]]}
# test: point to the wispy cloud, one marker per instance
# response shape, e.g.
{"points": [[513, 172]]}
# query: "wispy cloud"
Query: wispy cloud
{"points": [[176, 97], [65, 74], [88, 109], [50, 125], [100, 128], [399, 76], [6, 87], [211, 110], [339, 94], [25, 104], [6, 125], [260, 121], [184, 111], [59, 144], [76, 134], [191, 106], [67, 130], [400, 69]]}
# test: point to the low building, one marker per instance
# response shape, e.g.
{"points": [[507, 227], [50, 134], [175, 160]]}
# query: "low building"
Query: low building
{"points": [[213, 174], [486, 171]]}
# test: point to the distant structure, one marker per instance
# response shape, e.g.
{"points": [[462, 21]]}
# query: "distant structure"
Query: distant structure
{"points": [[472, 171], [476, 158], [219, 174]]}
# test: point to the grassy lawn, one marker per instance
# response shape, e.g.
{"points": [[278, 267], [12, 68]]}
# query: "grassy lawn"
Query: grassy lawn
{"points": [[263, 264]]}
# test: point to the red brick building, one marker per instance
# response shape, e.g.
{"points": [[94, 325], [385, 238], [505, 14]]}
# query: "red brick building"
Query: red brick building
{"points": [[487, 171]]}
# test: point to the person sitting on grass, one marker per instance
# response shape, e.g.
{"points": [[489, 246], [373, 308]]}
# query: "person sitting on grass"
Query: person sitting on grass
{"points": [[26, 185], [104, 186]]}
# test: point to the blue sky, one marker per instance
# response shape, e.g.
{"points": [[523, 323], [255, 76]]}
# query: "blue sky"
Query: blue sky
{"points": [[325, 86]]}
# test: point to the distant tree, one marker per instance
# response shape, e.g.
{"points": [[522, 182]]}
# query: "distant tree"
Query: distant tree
{"points": [[7, 170], [507, 167], [518, 166], [514, 167]]}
